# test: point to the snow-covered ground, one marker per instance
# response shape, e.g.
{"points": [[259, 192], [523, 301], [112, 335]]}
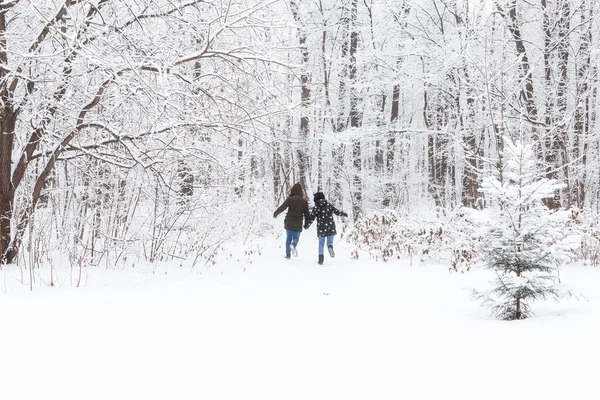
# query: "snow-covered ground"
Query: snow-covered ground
{"points": [[279, 329]]}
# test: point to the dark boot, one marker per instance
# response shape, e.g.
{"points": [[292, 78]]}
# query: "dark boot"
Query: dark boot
{"points": [[321, 258], [331, 252], [287, 256]]}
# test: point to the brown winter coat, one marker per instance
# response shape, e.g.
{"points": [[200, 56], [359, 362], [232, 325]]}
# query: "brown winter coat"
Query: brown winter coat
{"points": [[297, 207]]}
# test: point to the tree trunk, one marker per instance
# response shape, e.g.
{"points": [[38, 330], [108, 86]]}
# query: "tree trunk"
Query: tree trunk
{"points": [[342, 117], [527, 92], [391, 145], [302, 152], [6, 207], [239, 188], [379, 146], [277, 167], [561, 142], [470, 176], [549, 129], [556, 155], [582, 111], [186, 182], [355, 117], [7, 129], [431, 165]]}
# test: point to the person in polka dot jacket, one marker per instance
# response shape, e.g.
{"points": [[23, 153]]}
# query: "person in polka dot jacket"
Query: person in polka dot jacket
{"points": [[323, 211]]}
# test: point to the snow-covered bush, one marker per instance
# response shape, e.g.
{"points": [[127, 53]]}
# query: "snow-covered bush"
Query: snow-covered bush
{"points": [[590, 244], [522, 240], [387, 235], [376, 235]]}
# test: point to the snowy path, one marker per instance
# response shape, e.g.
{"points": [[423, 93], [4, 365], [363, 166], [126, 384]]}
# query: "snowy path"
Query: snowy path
{"points": [[293, 330]]}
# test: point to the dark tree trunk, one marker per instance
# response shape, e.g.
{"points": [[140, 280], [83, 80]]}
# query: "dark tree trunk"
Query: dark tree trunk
{"points": [[549, 129], [527, 92], [239, 188], [391, 146], [432, 181], [582, 112], [7, 129], [303, 161], [6, 207], [342, 118], [402, 19], [561, 142], [379, 146], [277, 170], [186, 182], [556, 155], [355, 116], [470, 176], [7, 125]]}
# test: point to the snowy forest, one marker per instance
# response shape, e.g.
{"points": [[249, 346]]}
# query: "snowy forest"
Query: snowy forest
{"points": [[150, 152], [165, 129]]}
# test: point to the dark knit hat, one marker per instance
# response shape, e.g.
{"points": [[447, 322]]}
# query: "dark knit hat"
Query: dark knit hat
{"points": [[318, 196]]}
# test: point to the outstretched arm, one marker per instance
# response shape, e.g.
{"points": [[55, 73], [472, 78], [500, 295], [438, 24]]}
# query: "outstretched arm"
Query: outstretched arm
{"points": [[309, 217], [282, 207], [338, 212]]}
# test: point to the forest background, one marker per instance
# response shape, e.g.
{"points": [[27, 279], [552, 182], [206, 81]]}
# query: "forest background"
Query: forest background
{"points": [[170, 129]]}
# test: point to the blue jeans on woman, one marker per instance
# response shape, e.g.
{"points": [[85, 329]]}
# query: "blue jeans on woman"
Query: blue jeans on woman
{"points": [[322, 243], [291, 237]]}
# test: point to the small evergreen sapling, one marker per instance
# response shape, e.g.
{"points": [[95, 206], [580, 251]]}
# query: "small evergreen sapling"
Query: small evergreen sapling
{"points": [[523, 241]]}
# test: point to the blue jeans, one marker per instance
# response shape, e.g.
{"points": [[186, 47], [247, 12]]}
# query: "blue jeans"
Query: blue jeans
{"points": [[291, 237], [322, 243]]}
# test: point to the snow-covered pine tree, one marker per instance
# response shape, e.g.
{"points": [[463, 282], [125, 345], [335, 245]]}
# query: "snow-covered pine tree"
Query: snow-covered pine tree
{"points": [[523, 241]]}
